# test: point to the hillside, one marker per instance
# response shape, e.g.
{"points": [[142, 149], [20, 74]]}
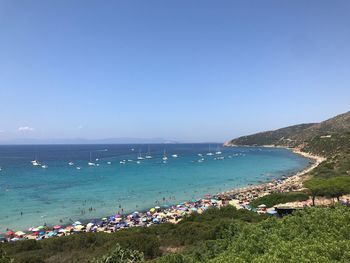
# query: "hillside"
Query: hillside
{"points": [[297, 135]]}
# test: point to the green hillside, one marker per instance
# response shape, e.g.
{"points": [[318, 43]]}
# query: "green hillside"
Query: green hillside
{"points": [[297, 135]]}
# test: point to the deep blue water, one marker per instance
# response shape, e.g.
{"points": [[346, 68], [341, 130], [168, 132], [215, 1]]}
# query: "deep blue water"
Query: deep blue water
{"points": [[63, 193]]}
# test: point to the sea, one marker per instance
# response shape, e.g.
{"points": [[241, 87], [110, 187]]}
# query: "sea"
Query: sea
{"points": [[56, 192]]}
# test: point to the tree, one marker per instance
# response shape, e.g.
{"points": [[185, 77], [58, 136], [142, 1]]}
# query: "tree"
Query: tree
{"points": [[333, 187]]}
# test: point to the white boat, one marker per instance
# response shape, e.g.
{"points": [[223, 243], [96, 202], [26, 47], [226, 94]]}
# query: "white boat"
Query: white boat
{"points": [[148, 154], [71, 163], [174, 156], [0, 169], [97, 164], [139, 157], [210, 153], [44, 166], [138, 162], [200, 155], [122, 162], [109, 162], [164, 158], [91, 163], [218, 151], [78, 168], [35, 163]]}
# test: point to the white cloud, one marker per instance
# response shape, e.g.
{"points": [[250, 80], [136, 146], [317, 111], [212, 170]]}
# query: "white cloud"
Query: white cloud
{"points": [[25, 129], [80, 127]]}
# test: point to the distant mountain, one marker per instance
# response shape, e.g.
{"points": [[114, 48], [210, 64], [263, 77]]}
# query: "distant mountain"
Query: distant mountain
{"points": [[89, 141], [297, 135]]}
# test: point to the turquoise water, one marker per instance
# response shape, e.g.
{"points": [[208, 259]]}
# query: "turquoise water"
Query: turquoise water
{"points": [[62, 193]]}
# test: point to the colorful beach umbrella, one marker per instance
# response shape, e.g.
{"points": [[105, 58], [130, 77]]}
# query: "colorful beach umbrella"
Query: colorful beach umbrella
{"points": [[10, 233], [20, 233], [57, 227], [79, 227]]}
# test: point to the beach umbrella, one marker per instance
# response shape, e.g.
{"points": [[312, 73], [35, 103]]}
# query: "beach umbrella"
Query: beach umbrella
{"points": [[104, 219], [157, 207], [77, 223], [42, 233], [10, 233], [152, 210], [35, 229], [40, 227], [262, 206], [89, 225], [194, 209], [51, 234], [57, 227], [20, 233], [14, 239], [78, 227]]}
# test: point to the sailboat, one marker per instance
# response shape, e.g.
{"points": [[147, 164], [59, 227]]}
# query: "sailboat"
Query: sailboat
{"points": [[91, 163], [148, 154], [174, 155], [164, 156], [218, 150], [209, 153], [70, 163], [139, 157]]}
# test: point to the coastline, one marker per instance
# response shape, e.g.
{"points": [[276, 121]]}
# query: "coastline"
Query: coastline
{"points": [[294, 182], [238, 197]]}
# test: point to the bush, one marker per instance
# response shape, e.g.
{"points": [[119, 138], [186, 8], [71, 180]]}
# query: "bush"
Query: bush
{"points": [[279, 198]]}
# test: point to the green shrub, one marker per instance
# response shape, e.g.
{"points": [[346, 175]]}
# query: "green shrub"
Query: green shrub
{"points": [[279, 198]]}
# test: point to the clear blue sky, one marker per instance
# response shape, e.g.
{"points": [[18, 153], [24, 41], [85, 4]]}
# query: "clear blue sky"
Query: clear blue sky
{"points": [[184, 70]]}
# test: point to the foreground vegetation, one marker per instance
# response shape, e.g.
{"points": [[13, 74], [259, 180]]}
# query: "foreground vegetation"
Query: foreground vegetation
{"points": [[152, 242], [312, 235], [219, 235]]}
